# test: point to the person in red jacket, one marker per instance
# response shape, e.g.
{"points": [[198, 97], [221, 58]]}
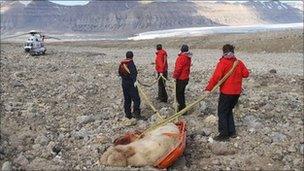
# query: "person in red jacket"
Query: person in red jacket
{"points": [[230, 91], [181, 75], [161, 67]]}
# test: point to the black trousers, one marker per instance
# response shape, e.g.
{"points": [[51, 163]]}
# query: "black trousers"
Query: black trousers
{"points": [[180, 93], [162, 93], [226, 104], [131, 94]]}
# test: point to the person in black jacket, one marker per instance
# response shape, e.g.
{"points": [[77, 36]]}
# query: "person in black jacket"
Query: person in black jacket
{"points": [[128, 72]]}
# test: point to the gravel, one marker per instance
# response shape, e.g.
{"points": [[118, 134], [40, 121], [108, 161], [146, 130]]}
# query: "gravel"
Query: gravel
{"points": [[63, 109]]}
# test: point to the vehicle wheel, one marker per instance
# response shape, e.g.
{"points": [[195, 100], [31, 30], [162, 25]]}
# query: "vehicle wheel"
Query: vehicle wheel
{"points": [[33, 53]]}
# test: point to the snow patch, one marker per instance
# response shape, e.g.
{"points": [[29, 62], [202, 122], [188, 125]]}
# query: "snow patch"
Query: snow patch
{"points": [[198, 31], [284, 6]]}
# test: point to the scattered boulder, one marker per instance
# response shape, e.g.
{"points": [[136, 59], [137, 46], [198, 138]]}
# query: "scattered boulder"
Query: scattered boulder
{"points": [[61, 137], [202, 132], [154, 118], [273, 71], [203, 108], [252, 123], [180, 164], [56, 149], [264, 83], [2, 152], [278, 137], [220, 148], [128, 122], [210, 140], [207, 131], [43, 164], [101, 139], [42, 140], [17, 83], [164, 111], [85, 119], [268, 107], [6, 166], [211, 120], [215, 162], [51, 68], [81, 134], [19, 74], [21, 160], [292, 149], [50, 147], [301, 149], [297, 162], [9, 107], [141, 124], [104, 115]]}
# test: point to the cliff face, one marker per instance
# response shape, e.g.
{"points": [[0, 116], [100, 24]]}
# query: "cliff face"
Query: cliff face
{"points": [[133, 17], [128, 17], [275, 11], [11, 14]]}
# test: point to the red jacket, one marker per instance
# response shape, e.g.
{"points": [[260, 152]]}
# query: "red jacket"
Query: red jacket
{"points": [[182, 66], [233, 84], [161, 64]]}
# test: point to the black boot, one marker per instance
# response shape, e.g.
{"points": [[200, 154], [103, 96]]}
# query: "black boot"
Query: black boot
{"points": [[221, 137], [137, 115], [129, 116], [233, 135]]}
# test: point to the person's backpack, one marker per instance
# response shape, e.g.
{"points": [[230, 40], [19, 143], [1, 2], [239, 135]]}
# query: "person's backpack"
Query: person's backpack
{"points": [[123, 69]]}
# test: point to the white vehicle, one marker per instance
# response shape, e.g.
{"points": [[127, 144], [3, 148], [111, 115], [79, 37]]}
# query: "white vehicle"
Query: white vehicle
{"points": [[35, 43]]}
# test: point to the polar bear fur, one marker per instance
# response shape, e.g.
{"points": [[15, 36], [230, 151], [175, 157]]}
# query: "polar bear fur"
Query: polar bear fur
{"points": [[145, 151]]}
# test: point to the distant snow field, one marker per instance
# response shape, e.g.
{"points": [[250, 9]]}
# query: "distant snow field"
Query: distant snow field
{"points": [[198, 31]]}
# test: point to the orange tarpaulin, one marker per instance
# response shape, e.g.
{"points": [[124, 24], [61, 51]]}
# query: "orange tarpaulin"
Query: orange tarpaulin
{"points": [[169, 158]]}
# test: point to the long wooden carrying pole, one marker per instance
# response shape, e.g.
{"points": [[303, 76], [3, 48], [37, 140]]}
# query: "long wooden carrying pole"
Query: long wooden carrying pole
{"points": [[149, 102], [144, 95], [178, 114]]}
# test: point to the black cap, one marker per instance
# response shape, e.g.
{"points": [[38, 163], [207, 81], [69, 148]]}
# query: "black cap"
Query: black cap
{"points": [[184, 48], [228, 48], [159, 47], [129, 54]]}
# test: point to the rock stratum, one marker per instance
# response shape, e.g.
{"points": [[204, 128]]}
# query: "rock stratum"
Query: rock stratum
{"points": [[129, 17]]}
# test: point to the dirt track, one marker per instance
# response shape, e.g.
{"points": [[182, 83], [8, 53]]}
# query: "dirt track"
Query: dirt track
{"points": [[62, 110]]}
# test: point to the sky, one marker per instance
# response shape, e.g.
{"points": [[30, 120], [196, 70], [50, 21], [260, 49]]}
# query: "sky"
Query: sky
{"points": [[63, 2], [71, 2], [83, 2]]}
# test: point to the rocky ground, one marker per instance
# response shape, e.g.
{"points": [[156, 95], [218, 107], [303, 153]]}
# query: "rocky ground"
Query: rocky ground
{"points": [[63, 109]]}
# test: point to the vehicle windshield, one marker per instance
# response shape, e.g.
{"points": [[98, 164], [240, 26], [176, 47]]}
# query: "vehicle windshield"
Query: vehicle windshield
{"points": [[28, 44]]}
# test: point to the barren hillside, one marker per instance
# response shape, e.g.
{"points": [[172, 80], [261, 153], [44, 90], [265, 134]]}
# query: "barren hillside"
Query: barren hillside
{"points": [[129, 17]]}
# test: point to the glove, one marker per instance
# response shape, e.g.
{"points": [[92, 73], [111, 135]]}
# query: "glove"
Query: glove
{"points": [[135, 84]]}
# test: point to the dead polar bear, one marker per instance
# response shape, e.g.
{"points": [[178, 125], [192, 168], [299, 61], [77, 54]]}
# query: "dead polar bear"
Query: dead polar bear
{"points": [[145, 151]]}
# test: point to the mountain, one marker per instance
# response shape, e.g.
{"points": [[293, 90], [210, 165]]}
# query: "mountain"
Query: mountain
{"points": [[276, 11], [129, 17], [250, 12], [11, 14]]}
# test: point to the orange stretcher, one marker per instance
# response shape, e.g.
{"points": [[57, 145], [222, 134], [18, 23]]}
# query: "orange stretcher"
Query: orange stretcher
{"points": [[168, 159]]}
